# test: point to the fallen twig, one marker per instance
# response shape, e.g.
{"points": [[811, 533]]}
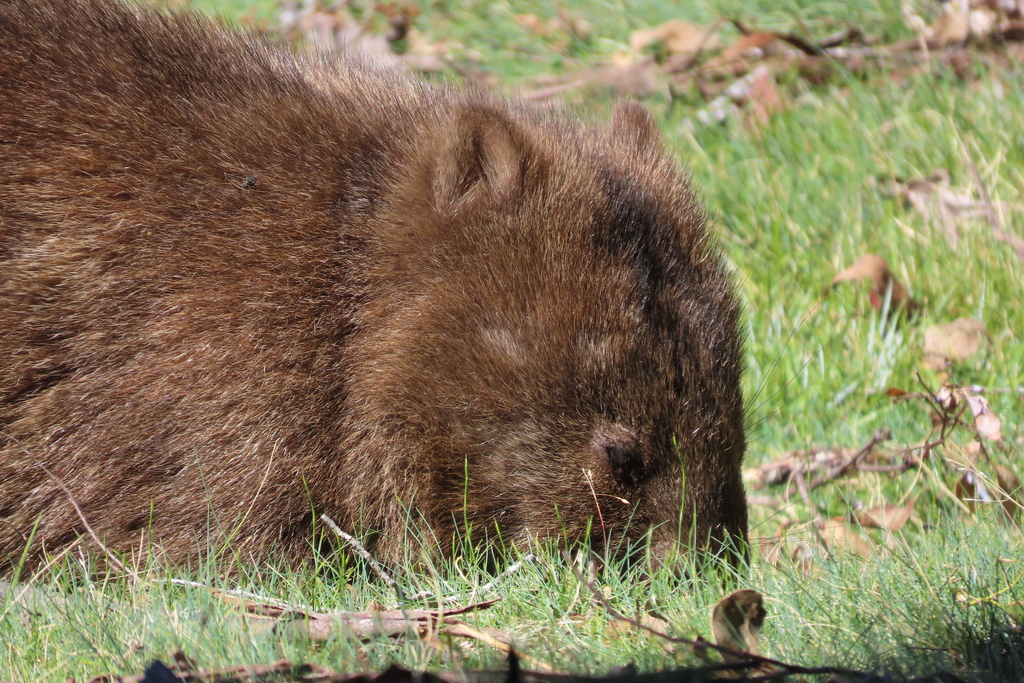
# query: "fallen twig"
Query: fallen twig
{"points": [[365, 554], [805, 46], [512, 569], [880, 436]]}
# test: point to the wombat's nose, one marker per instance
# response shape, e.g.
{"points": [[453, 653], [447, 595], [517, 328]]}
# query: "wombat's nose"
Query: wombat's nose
{"points": [[620, 449], [618, 453]]}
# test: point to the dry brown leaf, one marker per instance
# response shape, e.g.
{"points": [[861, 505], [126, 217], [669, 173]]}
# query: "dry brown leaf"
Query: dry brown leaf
{"points": [[678, 36], [820, 465], [888, 517], [1010, 490], [949, 397], [763, 98], [982, 23], [549, 30], [867, 267], [732, 98], [952, 26], [748, 43], [955, 341], [939, 204], [577, 27], [875, 269], [840, 537], [423, 54], [985, 420], [330, 29], [970, 489], [400, 17], [987, 424], [653, 622], [736, 620], [494, 637]]}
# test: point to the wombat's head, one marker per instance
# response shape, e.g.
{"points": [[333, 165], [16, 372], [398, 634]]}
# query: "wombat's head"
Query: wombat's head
{"points": [[555, 340]]}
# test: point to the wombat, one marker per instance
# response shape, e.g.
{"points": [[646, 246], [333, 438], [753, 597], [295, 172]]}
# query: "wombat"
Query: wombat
{"points": [[240, 288]]}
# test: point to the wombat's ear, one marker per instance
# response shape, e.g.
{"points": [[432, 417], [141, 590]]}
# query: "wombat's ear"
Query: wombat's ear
{"points": [[633, 124], [482, 158]]}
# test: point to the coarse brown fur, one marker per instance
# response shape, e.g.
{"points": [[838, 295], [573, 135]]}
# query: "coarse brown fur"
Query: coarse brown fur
{"points": [[238, 288]]}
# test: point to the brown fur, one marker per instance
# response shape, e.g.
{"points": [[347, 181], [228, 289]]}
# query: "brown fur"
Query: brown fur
{"points": [[237, 287]]}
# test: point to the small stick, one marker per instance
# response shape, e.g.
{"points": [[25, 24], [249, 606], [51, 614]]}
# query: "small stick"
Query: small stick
{"points": [[365, 554], [513, 568], [879, 436], [490, 585], [886, 468]]}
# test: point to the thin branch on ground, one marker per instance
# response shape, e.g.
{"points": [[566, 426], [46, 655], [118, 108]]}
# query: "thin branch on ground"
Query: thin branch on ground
{"points": [[365, 554], [489, 586], [512, 569], [878, 437]]}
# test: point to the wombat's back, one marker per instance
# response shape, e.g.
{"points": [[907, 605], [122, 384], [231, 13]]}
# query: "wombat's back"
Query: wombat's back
{"points": [[180, 211], [237, 288]]}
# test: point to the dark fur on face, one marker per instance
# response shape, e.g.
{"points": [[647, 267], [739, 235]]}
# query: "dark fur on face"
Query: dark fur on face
{"points": [[237, 287]]}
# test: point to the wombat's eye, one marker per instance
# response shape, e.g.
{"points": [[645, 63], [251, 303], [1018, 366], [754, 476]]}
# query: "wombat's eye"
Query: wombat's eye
{"points": [[620, 450]]}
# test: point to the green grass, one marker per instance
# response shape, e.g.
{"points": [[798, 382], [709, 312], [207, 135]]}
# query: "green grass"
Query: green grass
{"points": [[928, 605], [794, 203]]}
